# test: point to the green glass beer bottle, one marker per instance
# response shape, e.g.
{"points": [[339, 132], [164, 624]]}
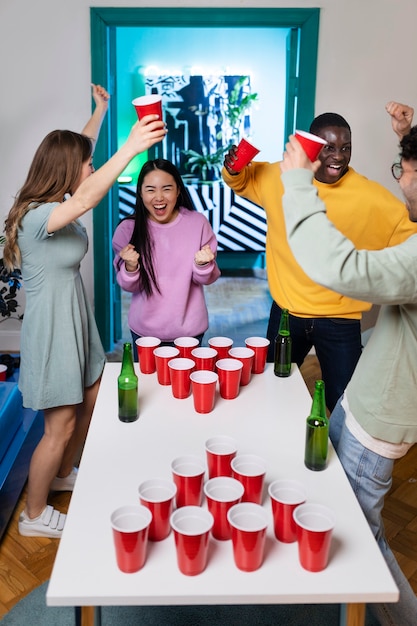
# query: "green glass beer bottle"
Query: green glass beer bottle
{"points": [[128, 387], [282, 357], [317, 431]]}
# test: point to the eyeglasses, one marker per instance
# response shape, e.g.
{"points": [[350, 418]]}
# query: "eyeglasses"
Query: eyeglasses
{"points": [[397, 170]]}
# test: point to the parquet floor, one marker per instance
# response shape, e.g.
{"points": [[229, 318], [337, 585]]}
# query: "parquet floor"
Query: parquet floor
{"points": [[25, 563]]}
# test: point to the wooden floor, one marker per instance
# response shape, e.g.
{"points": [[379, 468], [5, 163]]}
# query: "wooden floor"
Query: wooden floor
{"points": [[25, 563]]}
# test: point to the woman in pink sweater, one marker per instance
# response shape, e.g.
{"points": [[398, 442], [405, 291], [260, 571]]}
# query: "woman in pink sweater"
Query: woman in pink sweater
{"points": [[164, 254]]}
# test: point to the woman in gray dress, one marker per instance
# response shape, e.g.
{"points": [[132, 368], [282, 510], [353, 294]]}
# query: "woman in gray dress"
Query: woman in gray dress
{"points": [[62, 358]]}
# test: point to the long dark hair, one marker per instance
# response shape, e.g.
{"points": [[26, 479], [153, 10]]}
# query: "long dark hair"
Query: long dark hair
{"points": [[141, 238]]}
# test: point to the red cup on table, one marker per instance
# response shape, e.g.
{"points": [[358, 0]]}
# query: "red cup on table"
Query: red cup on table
{"points": [[205, 358], [157, 495], [188, 475], [285, 496], [145, 347], [203, 385], [230, 372], [130, 527], [220, 451], [222, 345], [312, 144], [248, 522], [179, 372], [260, 347], [250, 470], [245, 356], [244, 154], [314, 523], [3, 372], [163, 355], [192, 526], [221, 494], [148, 105], [185, 345]]}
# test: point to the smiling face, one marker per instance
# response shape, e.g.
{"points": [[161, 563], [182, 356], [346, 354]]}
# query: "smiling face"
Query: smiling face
{"points": [[408, 184], [336, 155], [159, 193]]}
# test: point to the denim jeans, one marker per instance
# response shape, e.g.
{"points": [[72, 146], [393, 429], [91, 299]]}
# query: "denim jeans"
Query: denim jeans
{"points": [[370, 476], [337, 343]]}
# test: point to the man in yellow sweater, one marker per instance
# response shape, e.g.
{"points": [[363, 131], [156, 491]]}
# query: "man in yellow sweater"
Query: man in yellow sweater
{"points": [[364, 211]]}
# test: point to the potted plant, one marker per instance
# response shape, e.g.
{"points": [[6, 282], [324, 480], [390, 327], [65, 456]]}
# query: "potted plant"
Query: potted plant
{"points": [[10, 283], [207, 166]]}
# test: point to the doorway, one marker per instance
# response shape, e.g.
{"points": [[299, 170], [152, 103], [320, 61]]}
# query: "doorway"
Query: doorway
{"points": [[300, 76]]}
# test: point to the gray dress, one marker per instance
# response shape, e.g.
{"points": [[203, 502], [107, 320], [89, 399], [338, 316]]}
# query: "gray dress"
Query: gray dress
{"points": [[61, 351]]}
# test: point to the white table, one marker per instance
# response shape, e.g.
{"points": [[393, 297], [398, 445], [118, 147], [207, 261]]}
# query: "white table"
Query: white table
{"points": [[268, 419]]}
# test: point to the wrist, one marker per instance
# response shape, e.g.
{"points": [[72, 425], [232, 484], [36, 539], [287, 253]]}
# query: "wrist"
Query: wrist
{"points": [[131, 268]]}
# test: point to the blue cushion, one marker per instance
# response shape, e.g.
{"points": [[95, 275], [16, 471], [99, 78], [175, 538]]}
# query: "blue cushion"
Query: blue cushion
{"points": [[11, 414]]}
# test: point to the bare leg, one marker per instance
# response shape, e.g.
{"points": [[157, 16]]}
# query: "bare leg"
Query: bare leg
{"points": [[47, 457], [75, 445]]}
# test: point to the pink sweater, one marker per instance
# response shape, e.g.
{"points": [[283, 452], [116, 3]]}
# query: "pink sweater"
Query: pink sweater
{"points": [[179, 309]]}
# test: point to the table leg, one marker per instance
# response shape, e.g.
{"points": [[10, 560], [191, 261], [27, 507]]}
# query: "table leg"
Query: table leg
{"points": [[352, 614], [88, 616]]}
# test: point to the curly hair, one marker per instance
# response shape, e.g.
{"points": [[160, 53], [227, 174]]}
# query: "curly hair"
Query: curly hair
{"points": [[54, 172], [409, 145]]}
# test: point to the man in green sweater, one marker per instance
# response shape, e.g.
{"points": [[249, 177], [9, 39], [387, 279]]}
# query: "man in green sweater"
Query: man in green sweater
{"points": [[375, 421]]}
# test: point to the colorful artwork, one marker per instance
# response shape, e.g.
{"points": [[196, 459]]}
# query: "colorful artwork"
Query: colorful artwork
{"points": [[205, 115]]}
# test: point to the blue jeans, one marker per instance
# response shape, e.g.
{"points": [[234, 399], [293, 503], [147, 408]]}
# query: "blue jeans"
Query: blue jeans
{"points": [[337, 343], [370, 476]]}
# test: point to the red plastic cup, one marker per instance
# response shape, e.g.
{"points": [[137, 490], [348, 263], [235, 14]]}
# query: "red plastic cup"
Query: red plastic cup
{"points": [[145, 347], [186, 345], [285, 496], [163, 355], [248, 522], [221, 494], [220, 451], [244, 155], [188, 475], [205, 358], [179, 372], [230, 372], [158, 496], [312, 144], [250, 470], [3, 372], [222, 345], [260, 346], [192, 526], [245, 356], [315, 523], [203, 384], [148, 105], [130, 526]]}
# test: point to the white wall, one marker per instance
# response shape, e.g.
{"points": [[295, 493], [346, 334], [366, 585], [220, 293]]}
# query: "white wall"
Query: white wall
{"points": [[367, 56]]}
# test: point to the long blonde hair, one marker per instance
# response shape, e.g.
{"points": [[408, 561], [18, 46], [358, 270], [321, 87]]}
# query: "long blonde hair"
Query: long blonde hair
{"points": [[55, 171]]}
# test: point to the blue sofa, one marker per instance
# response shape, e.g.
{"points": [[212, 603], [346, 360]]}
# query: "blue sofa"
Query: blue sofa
{"points": [[20, 432]]}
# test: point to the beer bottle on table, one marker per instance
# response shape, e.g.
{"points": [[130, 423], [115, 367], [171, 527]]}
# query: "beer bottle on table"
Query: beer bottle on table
{"points": [[128, 387], [317, 431], [282, 358]]}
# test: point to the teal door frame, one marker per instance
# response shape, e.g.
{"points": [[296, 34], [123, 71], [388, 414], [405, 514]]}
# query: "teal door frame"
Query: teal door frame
{"points": [[301, 86]]}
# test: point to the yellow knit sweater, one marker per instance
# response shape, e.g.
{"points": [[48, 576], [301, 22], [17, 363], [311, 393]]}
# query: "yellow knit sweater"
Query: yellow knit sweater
{"points": [[364, 211]]}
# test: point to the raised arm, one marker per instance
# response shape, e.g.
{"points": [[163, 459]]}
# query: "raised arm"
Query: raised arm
{"points": [[101, 100], [92, 189]]}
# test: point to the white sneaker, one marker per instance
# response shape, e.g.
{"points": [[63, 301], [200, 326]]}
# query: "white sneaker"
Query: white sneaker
{"points": [[65, 484], [49, 523]]}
